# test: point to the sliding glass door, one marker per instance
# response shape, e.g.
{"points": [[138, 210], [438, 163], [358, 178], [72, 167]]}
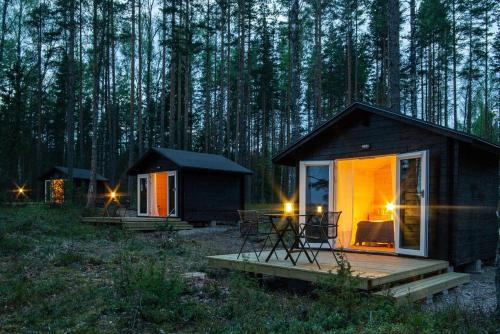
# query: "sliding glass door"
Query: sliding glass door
{"points": [[411, 204], [143, 194], [316, 193], [172, 194]]}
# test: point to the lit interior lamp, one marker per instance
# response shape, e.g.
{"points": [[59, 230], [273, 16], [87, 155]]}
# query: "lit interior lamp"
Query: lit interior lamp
{"points": [[390, 207], [288, 207], [319, 209]]}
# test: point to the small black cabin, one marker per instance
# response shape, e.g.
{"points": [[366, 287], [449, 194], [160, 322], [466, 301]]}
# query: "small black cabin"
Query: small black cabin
{"points": [[196, 187], [55, 178], [404, 186]]}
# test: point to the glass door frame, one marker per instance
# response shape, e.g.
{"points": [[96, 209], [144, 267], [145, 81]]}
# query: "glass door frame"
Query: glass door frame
{"points": [[176, 190], [139, 177], [302, 190], [424, 203]]}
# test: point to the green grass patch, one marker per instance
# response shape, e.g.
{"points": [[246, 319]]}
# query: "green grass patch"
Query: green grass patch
{"points": [[59, 275]]}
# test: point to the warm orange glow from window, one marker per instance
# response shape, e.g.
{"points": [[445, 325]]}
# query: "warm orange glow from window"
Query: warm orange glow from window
{"points": [[319, 209], [288, 207], [390, 207], [58, 191]]}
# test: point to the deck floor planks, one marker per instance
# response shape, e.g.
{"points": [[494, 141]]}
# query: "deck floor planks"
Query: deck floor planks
{"points": [[373, 270]]}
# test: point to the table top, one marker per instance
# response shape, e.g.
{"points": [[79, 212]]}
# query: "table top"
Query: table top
{"points": [[282, 214]]}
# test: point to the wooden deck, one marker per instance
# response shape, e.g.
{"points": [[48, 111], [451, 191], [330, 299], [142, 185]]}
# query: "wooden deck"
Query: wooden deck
{"points": [[140, 223], [375, 272]]}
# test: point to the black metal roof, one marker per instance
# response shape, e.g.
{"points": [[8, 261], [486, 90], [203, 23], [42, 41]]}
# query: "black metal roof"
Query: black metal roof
{"points": [[359, 106], [78, 173], [192, 160]]}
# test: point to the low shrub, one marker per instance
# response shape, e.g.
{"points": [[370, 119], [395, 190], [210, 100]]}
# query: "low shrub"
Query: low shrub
{"points": [[155, 296]]}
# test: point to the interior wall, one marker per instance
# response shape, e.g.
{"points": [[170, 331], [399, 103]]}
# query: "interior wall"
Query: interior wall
{"points": [[161, 193]]}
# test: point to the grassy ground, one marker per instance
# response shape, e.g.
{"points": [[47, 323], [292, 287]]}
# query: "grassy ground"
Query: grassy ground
{"points": [[58, 275]]}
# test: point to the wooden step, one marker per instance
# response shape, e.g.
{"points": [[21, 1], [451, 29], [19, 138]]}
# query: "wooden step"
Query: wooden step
{"points": [[102, 220], [150, 219], [420, 289], [148, 226]]}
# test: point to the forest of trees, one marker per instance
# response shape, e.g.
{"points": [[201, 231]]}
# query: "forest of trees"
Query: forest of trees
{"points": [[95, 83]]}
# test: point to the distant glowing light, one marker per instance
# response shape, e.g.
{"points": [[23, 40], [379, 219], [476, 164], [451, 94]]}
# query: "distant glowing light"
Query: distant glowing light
{"points": [[390, 207], [319, 209], [113, 195], [288, 207]]}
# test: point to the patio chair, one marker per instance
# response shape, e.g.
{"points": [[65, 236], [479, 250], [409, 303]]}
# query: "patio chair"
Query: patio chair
{"points": [[324, 232], [253, 230]]}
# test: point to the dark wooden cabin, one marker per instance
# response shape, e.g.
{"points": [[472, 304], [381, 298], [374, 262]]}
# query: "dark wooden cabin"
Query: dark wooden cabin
{"points": [[196, 187], [54, 180], [404, 186]]}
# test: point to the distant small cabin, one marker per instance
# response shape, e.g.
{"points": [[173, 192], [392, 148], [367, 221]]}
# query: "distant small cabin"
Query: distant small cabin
{"points": [[195, 187], [404, 186], [55, 178]]}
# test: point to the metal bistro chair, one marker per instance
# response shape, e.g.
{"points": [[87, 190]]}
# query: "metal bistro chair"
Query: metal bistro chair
{"points": [[325, 231], [253, 230]]}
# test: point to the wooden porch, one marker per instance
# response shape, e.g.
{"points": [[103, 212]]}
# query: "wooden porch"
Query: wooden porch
{"points": [[140, 223], [414, 278]]}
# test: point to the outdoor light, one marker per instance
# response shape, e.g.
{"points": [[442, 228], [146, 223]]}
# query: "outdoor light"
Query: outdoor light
{"points": [[365, 146], [288, 207], [390, 206], [319, 209], [113, 195], [20, 191]]}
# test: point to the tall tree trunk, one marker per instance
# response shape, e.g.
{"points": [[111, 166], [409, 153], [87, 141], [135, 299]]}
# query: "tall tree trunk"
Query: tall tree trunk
{"points": [[131, 146], [413, 60], [3, 29], [468, 118], [114, 108], [140, 125], [171, 117], [349, 55], [187, 76], [39, 94], [181, 44], [149, 59], [394, 90], [70, 106], [318, 61], [207, 94], [486, 112], [163, 95], [295, 71], [454, 56], [91, 195], [240, 79], [81, 67]]}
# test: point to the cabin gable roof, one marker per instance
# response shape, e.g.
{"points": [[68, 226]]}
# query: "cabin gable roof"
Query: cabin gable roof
{"points": [[286, 156], [191, 160], [78, 173]]}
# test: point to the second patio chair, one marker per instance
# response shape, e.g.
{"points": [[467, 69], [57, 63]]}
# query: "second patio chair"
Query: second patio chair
{"points": [[254, 230], [322, 233]]}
